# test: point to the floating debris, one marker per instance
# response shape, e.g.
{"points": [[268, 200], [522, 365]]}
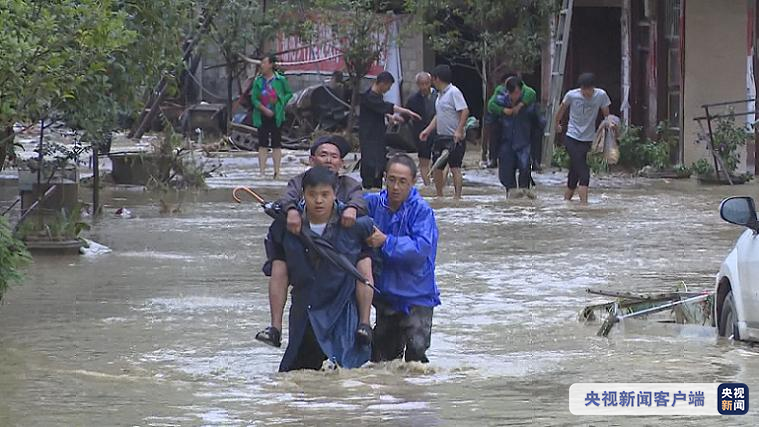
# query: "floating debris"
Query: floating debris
{"points": [[91, 248], [684, 307]]}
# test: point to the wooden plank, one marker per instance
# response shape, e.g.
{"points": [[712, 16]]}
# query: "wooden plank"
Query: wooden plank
{"points": [[626, 55], [652, 70]]}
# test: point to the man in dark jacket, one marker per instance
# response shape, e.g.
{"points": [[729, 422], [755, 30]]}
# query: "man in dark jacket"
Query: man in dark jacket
{"points": [[372, 127], [516, 127], [327, 151], [496, 113], [330, 310], [406, 237], [423, 103]]}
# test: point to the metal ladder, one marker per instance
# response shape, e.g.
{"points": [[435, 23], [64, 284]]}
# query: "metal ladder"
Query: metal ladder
{"points": [[558, 66]]}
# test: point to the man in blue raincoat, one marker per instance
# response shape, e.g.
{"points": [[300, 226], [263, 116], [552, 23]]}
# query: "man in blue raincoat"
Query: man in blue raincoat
{"points": [[406, 238], [330, 310]]}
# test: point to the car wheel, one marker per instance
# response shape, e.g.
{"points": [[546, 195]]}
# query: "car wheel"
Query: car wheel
{"points": [[728, 317]]}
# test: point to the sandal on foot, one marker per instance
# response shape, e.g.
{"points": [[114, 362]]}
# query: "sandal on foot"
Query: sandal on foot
{"points": [[364, 334], [270, 336]]}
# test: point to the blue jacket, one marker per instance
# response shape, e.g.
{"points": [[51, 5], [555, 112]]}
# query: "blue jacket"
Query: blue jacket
{"points": [[408, 256], [515, 129], [523, 129], [323, 295]]}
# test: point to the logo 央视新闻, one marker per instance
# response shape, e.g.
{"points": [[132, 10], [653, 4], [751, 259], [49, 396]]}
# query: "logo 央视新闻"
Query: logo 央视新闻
{"points": [[732, 399]]}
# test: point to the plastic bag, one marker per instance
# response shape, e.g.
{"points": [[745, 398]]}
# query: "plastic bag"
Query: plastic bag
{"points": [[606, 139]]}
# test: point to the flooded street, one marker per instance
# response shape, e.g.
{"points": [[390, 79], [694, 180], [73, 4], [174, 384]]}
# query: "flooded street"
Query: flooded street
{"points": [[160, 331]]}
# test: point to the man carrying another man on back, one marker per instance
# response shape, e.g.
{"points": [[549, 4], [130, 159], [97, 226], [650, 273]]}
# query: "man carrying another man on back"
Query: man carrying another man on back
{"points": [[496, 112], [327, 151], [330, 310], [516, 125], [406, 238]]}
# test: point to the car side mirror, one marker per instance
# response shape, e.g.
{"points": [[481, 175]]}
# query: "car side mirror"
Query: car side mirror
{"points": [[739, 211]]}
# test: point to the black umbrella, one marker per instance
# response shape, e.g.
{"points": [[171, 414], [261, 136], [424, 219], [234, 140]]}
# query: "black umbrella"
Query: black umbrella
{"points": [[317, 244]]}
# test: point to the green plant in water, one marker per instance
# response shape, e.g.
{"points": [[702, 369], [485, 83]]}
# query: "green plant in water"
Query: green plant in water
{"points": [[177, 165], [703, 168], [666, 135], [637, 151], [682, 170], [61, 227], [629, 151], [13, 257], [560, 158], [598, 163], [729, 139], [655, 154]]}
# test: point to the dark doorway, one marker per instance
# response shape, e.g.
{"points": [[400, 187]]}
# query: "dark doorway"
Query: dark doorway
{"points": [[595, 46]]}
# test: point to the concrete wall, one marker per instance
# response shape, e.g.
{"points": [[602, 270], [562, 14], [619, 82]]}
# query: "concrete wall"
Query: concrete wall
{"points": [[415, 57], [714, 64]]}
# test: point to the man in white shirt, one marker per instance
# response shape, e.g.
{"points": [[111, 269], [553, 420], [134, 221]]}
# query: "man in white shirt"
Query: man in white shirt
{"points": [[451, 112], [583, 104]]}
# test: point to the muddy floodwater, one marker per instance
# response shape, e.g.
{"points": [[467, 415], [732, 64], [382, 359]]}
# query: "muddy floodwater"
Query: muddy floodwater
{"points": [[160, 331]]}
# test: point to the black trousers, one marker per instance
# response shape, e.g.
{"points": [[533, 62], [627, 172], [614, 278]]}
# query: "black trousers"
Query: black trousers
{"points": [[371, 175], [494, 138], [269, 135], [536, 149], [579, 171], [396, 332]]}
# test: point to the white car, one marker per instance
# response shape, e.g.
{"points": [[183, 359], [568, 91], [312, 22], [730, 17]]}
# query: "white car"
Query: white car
{"points": [[736, 303]]}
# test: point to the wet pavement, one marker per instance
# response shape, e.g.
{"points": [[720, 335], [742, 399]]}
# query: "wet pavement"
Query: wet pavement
{"points": [[160, 331]]}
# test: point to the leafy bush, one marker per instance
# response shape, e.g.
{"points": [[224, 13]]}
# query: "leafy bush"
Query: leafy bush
{"points": [[597, 163], [177, 165], [61, 227], [560, 158], [729, 138], [13, 257], [703, 168], [682, 170], [637, 151], [629, 151]]}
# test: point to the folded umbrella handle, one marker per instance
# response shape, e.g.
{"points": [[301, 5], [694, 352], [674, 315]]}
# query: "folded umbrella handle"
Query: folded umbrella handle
{"points": [[253, 194]]}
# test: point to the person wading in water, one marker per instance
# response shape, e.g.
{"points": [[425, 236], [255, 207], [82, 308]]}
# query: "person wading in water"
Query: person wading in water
{"points": [[330, 310], [406, 239], [583, 104]]}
